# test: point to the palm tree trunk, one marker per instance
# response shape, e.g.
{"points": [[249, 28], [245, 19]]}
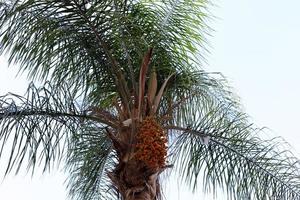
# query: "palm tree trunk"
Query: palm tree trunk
{"points": [[134, 182]]}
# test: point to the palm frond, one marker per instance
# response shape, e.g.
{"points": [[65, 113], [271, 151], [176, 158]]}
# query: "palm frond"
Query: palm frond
{"points": [[49, 38], [224, 149], [89, 158], [100, 48], [192, 92], [212, 138], [39, 124]]}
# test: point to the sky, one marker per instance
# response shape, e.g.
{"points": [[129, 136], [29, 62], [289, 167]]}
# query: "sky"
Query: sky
{"points": [[255, 44]]}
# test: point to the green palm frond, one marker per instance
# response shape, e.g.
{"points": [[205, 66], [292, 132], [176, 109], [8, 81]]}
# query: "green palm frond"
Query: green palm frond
{"points": [[36, 125], [195, 91], [212, 143], [89, 158], [227, 152], [47, 37], [92, 47]]}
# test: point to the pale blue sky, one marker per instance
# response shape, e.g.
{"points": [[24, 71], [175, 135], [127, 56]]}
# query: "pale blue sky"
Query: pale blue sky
{"points": [[256, 44]]}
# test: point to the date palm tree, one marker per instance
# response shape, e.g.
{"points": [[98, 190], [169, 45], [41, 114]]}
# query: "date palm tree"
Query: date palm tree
{"points": [[123, 98]]}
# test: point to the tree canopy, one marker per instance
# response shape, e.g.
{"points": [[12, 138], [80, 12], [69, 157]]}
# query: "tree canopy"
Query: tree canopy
{"points": [[93, 56]]}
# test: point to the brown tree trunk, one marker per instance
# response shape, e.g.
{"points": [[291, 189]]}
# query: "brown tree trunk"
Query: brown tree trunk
{"points": [[134, 181]]}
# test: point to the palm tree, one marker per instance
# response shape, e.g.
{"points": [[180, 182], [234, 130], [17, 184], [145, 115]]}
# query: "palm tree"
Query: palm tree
{"points": [[123, 99]]}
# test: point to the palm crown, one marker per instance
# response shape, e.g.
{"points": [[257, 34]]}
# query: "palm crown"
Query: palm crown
{"points": [[125, 98]]}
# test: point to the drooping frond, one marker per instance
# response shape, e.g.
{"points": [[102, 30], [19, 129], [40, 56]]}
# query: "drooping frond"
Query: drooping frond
{"points": [[214, 144], [89, 157], [225, 153], [38, 124], [53, 38], [99, 45]]}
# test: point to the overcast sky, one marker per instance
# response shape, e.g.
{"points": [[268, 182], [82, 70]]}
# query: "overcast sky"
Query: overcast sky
{"points": [[256, 45]]}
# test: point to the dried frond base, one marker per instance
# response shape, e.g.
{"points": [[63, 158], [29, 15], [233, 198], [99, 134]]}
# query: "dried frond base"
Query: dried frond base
{"points": [[134, 182]]}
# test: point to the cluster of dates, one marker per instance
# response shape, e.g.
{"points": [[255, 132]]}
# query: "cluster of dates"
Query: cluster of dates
{"points": [[151, 147]]}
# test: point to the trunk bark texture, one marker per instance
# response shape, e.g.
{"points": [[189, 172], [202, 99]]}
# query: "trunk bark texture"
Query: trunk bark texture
{"points": [[134, 182]]}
